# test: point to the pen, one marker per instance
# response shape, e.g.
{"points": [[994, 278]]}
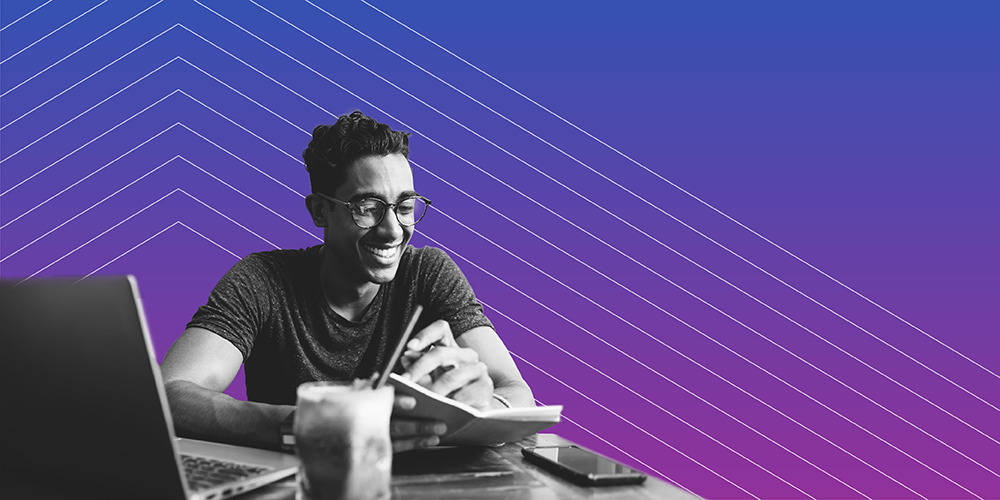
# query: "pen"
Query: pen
{"points": [[399, 347], [410, 355]]}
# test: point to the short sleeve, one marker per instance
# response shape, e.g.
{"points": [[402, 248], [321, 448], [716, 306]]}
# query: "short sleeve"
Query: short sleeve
{"points": [[237, 307], [449, 295]]}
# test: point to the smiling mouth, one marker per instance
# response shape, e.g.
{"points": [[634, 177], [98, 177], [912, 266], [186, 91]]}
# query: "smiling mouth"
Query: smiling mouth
{"points": [[382, 253]]}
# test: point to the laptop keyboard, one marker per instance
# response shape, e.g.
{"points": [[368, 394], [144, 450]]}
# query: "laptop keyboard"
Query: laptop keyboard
{"points": [[203, 472]]}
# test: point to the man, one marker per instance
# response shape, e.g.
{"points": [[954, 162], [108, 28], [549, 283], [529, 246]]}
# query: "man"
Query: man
{"points": [[334, 311]]}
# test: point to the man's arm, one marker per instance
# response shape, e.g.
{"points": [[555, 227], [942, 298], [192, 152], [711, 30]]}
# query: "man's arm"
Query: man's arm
{"points": [[197, 368], [200, 365], [507, 381]]}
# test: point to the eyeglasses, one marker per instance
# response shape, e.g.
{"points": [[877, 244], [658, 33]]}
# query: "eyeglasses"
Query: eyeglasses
{"points": [[369, 212]]}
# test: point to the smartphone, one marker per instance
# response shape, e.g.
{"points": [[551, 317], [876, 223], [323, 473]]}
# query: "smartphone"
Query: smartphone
{"points": [[582, 466]]}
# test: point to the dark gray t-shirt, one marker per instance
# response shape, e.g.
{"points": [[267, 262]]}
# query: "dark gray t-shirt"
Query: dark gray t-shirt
{"points": [[271, 307]]}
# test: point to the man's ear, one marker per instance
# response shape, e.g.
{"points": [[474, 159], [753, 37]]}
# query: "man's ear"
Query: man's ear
{"points": [[317, 209]]}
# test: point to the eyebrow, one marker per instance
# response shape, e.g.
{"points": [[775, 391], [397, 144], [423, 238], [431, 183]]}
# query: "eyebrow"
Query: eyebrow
{"points": [[372, 194]]}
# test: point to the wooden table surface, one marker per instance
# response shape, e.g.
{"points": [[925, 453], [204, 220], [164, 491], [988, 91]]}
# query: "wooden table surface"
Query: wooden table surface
{"points": [[447, 473]]}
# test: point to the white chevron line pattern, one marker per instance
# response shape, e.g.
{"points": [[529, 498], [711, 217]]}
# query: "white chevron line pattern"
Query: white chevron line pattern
{"points": [[71, 21], [88, 44], [644, 233], [30, 12], [679, 188], [246, 81]]}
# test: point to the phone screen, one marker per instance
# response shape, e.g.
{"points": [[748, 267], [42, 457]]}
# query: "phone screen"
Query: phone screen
{"points": [[585, 463]]}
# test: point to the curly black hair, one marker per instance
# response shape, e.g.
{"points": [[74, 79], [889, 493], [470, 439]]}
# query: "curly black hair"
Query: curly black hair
{"points": [[354, 136]]}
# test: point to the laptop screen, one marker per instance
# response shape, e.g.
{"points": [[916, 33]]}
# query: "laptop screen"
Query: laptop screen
{"points": [[82, 407]]}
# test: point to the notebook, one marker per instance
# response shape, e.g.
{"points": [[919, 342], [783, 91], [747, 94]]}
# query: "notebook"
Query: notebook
{"points": [[469, 426], [84, 412]]}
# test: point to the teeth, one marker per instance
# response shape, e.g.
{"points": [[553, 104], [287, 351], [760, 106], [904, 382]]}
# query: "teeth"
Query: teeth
{"points": [[382, 252]]}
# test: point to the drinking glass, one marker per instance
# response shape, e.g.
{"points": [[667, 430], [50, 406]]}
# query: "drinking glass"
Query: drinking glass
{"points": [[342, 440]]}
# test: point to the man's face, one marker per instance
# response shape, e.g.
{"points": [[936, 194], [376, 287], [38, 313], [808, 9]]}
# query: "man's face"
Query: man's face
{"points": [[370, 255]]}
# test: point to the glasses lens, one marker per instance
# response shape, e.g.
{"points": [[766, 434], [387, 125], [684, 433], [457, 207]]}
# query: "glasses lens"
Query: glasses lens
{"points": [[368, 212], [410, 211]]}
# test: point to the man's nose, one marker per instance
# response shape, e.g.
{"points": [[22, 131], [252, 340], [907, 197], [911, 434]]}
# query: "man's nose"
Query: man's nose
{"points": [[390, 225]]}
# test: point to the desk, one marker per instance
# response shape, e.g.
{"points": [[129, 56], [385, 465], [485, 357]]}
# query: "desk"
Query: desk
{"points": [[437, 473]]}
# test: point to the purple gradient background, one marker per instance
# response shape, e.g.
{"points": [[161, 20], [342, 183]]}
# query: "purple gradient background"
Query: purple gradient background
{"points": [[860, 137]]}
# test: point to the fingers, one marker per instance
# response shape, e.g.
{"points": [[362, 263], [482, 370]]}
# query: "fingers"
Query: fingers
{"points": [[413, 427], [470, 384], [459, 377], [445, 368], [408, 361], [440, 357], [408, 434], [438, 332], [403, 402]]}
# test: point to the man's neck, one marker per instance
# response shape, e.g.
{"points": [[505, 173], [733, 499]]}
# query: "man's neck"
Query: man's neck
{"points": [[345, 296]]}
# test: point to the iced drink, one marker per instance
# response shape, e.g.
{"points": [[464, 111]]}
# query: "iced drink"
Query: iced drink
{"points": [[342, 439]]}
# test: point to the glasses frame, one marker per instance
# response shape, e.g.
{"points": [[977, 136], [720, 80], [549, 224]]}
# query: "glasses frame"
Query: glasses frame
{"points": [[354, 216]]}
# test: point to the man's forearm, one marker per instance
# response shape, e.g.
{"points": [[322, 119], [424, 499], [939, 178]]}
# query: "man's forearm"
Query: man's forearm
{"points": [[516, 393], [200, 413]]}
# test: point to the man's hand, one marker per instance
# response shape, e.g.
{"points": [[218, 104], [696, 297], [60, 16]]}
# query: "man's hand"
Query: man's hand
{"points": [[446, 368], [408, 434]]}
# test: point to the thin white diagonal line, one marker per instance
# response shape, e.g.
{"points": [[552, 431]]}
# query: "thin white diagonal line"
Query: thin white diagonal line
{"points": [[265, 174], [622, 319], [177, 223], [564, 318], [123, 89], [106, 66], [446, 149], [79, 49], [88, 175], [185, 127], [751, 362], [629, 389], [683, 388], [106, 231], [258, 38], [708, 370], [78, 214], [210, 240], [53, 31], [658, 208], [605, 408], [604, 209], [564, 417], [265, 207], [751, 428], [693, 295], [710, 206], [741, 389], [265, 108], [588, 431], [820, 337], [224, 117], [265, 75], [26, 15], [599, 206], [230, 219], [314, 71], [135, 214], [126, 252], [785, 349], [671, 315], [168, 128]]}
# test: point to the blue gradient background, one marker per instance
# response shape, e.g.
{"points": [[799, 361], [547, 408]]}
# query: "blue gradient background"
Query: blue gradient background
{"points": [[859, 136]]}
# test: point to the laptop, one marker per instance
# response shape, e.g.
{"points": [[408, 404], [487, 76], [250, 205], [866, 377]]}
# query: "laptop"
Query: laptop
{"points": [[84, 413]]}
